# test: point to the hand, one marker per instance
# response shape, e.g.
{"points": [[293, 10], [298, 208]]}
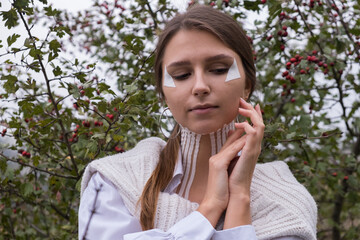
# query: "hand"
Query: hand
{"points": [[241, 175]]}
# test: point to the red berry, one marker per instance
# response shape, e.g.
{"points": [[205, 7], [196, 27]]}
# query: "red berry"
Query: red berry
{"points": [[292, 100], [82, 92], [212, 4], [293, 60], [75, 105], [263, 1], [292, 79], [302, 71], [280, 33], [282, 47], [269, 37], [119, 149], [314, 52], [285, 73], [334, 174], [346, 177], [86, 123], [24, 153], [288, 64], [110, 116], [284, 85], [285, 34], [305, 162]]}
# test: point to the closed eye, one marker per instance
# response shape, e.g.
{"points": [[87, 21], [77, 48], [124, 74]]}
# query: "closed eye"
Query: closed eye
{"points": [[182, 76], [219, 71]]}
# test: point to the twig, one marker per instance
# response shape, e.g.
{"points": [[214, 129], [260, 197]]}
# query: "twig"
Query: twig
{"points": [[93, 211], [38, 169], [310, 138]]}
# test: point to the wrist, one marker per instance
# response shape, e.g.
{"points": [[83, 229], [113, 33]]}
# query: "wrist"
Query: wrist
{"points": [[238, 211], [212, 213]]}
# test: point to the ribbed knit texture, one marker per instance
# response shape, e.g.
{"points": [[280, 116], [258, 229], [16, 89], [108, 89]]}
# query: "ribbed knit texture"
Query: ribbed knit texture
{"points": [[280, 205], [190, 143]]}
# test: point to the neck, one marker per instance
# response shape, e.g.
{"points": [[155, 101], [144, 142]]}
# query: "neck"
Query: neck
{"points": [[196, 150]]}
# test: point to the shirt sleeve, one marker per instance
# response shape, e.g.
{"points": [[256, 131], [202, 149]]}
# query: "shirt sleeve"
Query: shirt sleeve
{"points": [[241, 232], [112, 220]]}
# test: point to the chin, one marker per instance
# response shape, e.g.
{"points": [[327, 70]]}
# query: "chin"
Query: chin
{"points": [[206, 128]]}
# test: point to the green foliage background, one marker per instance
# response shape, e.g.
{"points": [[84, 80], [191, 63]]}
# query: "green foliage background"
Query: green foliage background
{"points": [[60, 110]]}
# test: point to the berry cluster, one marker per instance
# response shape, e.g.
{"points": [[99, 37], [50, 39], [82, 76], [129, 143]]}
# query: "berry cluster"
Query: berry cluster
{"points": [[110, 116], [24, 153]]}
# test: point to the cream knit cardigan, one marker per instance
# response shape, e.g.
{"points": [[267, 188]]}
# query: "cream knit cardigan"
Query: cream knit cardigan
{"points": [[280, 205]]}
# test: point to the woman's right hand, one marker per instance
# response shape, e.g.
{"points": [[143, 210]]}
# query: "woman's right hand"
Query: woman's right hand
{"points": [[217, 195]]}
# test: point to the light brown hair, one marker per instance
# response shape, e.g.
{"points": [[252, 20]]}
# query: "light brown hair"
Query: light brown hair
{"points": [[200, 18]]}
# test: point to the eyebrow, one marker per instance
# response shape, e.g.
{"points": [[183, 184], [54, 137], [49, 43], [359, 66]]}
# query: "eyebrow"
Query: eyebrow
{"points": [[209, 59]]}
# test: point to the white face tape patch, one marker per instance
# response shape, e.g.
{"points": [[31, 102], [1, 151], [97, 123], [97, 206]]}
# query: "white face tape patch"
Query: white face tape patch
{"points": [[168, 80], [233, 72]]}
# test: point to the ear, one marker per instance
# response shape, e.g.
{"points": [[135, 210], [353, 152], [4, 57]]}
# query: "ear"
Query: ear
{"points": [[246, 93]]}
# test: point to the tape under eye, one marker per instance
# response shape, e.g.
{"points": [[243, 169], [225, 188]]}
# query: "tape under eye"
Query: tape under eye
{"points": [[168, 80], [233, 72]]}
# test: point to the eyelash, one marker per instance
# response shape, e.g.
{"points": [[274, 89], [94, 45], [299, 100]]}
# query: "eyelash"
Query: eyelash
{"points": [[217, 71], [220, 71]]}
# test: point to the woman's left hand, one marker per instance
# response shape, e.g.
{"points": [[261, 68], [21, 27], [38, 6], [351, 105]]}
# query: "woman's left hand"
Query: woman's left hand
{"points": [[241, 175]]}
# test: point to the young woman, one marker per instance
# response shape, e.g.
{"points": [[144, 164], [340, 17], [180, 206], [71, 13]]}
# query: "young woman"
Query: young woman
{"points": [[203, 183]]}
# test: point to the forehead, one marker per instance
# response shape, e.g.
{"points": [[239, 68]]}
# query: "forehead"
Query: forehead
{"points": [[195, 45]]}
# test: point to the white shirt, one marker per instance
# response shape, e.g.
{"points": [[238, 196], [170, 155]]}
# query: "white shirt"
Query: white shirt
{"points": [[112, 220]]}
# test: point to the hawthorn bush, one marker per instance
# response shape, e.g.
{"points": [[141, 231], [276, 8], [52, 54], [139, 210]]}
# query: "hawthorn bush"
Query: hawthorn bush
{"points": [[76, 87]]}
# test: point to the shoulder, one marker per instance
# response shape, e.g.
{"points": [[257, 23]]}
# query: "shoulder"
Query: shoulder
{"points": [[276, 192], [139, 160], [147, 147]]}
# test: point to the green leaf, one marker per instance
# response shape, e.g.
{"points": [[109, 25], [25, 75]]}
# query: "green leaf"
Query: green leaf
{"points": [[57, 71], [10, 17], [10, 85], [21, 4], [26, 189], [11, 39]]}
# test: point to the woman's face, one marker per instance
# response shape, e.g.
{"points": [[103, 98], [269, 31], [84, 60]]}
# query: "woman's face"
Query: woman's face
{"points": [[200, 95]]}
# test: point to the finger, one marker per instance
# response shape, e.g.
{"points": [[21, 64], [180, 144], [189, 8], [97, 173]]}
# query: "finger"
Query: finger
{"points": [[253, 115], [233, 135], [258, 110], [246, 127], [231, 151]]}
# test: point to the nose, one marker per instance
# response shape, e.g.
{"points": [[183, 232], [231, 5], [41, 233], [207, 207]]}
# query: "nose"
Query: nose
{"points": [[201, 86]]}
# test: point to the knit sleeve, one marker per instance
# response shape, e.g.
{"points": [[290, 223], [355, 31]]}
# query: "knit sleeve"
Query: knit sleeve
{"points": [[280, 205]]}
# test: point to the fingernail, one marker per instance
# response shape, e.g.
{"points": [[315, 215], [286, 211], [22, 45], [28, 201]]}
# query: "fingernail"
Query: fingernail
{"points": [[243, 100]]}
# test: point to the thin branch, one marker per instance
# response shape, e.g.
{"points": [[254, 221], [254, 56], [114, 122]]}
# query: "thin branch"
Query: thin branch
{"points": [[51, 95], [93, 211], [310, 138], [38, 169]]}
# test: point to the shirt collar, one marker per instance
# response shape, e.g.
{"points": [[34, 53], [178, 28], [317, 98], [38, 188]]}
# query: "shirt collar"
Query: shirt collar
{"points": [[177, 175]]}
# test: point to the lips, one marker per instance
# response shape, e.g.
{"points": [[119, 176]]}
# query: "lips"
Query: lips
{"points": [[203, 107]]}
